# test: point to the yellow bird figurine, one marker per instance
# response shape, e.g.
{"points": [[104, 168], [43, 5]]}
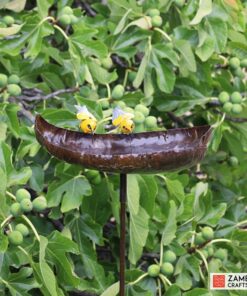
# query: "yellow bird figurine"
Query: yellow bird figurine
{"points": [[88, 121], [122, 120]]}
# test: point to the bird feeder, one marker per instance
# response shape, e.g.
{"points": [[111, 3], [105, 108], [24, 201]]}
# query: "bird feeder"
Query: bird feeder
{"points": [[147, 152]]}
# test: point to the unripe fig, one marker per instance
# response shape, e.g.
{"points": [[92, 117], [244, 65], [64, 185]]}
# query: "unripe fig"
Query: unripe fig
{"points": [[236, 97], [8, 20], [167, 269], [121, 104], [210, 251], [139, 128], [14, 89], [233, 161], [96, 180], [153, 270], [3, 80], [199, 239], [234, 63], [132, 76], [65, 19], [207, 233], [13, 79], [118, 92], [224, 97], [85, 91], [67, 10], [151, 121], [74, 19], [221, 254], [39, 204], [105, 104], [237, 108], [179, 3], [129, 110], [139, 117], [15, 209], [26, 205], [92, 174], [239, 73], [205, 253], [243, 63], [153, 12], [169, 256], [22, 228], [15, 238], [22, 194], [107, 63], [156, 21], [227, 107], [143, 109]]}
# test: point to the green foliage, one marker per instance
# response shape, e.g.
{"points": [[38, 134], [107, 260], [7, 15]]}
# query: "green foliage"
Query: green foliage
{"points": [[171, 64]]}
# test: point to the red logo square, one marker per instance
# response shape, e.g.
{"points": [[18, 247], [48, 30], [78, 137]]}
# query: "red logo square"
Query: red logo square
{"points": [[219, 281]]}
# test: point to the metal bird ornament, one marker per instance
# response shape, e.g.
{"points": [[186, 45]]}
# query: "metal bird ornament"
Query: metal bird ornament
{"points": [[88, 122], [122, 120]]}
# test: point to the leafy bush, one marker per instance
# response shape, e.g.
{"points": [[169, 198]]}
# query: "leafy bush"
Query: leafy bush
{"points": [[172, 64]]}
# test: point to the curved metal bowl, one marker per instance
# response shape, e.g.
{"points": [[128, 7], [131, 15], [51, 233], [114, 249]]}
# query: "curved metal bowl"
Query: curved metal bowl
{"points": [[147, 152]]}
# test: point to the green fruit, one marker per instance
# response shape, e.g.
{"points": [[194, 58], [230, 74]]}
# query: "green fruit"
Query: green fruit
{"points": [[15, 209], [156, 21], [3, 80], [121, 104], [92, 174], [129, 110], [67, 10], [221, 254], [8, 20], [96, 180], [14, 89], [26, 205], [243, 63], [151, 121], [39, 204], [143, 109], [138, 117], [153, 270], [239, 73], [224, 97], [22, 194], [207, 233], [199, 239], [13, 79], [118, 92], [205, 253], [105, 104], [15, 238], [179, 3], [210, 251], [73, 19], [153, 12], [85, 91], [167, 268], [65, 19], [132, 76], [236, 97], [22, 228], [227, 107], [139, 128], [107, 63], [169, 256], [233, 161], [237, 108], [234, 63]]}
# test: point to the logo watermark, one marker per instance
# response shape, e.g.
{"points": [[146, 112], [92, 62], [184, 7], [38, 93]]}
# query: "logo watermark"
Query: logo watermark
{"points": [[228, 281]]}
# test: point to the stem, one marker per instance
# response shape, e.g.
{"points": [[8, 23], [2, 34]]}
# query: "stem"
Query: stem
{"points": [[5, 221], [161, 250], [138, 279], [241, 223], [203, 258], [159, 287], [32, 227], [11, 195], [163, 33], [219, 240], [165, 280], [108, 90], [47, 19], [104, 120], [62, 32], [24, 251], [125, 78]]}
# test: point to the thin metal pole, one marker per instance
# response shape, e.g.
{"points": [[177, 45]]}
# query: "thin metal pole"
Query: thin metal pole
{"points": [[123, 190]]}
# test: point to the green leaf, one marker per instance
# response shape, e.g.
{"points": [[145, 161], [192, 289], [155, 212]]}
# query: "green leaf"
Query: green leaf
{"points": [[173, 290], [13, 123], [4, 32], [218, 31], [100, 74], [206, 46], [122, 22], [205, 8], [15, 5], [169, 232], [43, 7], [198, 291], [133, 194], [113, 290], [175, 189], [187, 56], [3, 242]]}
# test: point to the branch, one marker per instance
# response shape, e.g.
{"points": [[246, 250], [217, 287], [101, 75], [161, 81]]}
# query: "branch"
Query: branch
{"points": [[176, 119], [232, 119], [88, 9], [37, 95]]}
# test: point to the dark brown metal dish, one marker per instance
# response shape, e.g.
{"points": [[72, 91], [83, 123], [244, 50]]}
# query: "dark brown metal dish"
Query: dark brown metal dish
{"points": [[147, 152]]}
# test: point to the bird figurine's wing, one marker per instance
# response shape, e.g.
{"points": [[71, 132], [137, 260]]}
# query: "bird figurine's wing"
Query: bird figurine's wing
{"points": [[83, 113], [119, 115]]}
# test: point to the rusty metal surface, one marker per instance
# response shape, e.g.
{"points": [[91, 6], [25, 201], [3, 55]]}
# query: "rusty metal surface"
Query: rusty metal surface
{"points": [[147, 152]]}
